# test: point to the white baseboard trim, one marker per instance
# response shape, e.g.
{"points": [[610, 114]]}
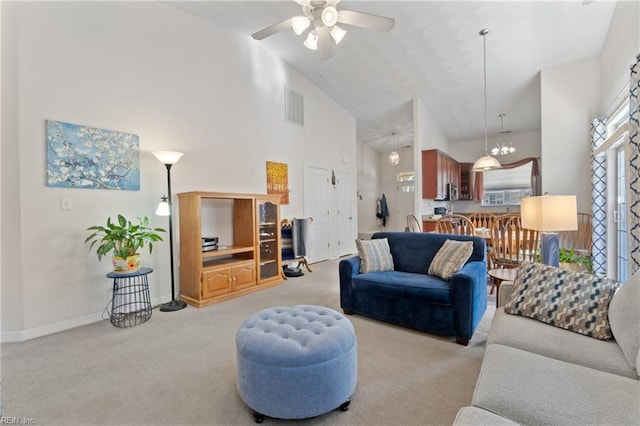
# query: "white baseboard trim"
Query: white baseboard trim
{"points": [[44, 330]]}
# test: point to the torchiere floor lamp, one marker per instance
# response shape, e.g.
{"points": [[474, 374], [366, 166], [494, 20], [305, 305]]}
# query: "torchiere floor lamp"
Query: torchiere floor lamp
{"points": [[169, 158]]}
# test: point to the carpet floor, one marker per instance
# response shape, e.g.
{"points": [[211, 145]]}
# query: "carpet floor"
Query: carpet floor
{"points": [[179, 368]]}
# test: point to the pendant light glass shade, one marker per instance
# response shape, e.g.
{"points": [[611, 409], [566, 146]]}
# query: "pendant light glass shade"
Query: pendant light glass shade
{"points": [[394, 158], [486, 163]]}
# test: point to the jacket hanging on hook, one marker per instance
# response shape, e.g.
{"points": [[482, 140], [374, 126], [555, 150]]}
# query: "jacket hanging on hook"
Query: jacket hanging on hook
{"points": [[382, 210]]}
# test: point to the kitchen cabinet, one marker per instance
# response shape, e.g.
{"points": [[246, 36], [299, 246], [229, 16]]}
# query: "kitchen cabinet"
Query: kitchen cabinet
{"points": [[438, 170]]}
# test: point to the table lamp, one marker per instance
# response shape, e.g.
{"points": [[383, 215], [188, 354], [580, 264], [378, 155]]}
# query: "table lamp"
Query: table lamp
{"points": [[549, 214]]}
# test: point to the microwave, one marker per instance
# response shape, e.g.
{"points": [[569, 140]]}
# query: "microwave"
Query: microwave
{"points": [[439, 210]]}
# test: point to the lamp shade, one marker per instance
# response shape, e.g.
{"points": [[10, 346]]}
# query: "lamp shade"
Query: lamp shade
{"points": [[486, 163], [549, 213], [394, 158], [163, 208], [299, 24], [168, 157]]}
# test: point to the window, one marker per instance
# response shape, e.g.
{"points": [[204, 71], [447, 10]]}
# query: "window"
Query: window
{"points": [[615, 149], [505, 197], [505, 187]]}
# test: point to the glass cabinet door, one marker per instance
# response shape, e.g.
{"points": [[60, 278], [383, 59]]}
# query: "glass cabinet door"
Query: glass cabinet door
{"points": [[268, 238]]}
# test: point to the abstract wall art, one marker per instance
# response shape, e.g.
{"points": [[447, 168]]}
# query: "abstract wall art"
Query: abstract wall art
{"points": [[278, 180], [87, 157]]}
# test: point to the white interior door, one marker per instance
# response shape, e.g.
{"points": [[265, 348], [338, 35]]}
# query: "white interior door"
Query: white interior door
{"points": [[346, 233], [317, 205]]}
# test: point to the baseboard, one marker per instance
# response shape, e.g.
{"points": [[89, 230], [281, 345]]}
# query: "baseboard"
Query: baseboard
{"points": [[44, 330]]}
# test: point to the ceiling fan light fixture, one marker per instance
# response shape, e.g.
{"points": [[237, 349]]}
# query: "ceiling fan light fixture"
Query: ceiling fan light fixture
{"points": [[329, 16], [312, 40], [299, 24], [303, 2], [337, 34]]}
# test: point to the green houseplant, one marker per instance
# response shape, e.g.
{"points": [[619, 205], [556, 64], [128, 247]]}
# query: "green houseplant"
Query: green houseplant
{"points": [[123, 239], [569, 259]]}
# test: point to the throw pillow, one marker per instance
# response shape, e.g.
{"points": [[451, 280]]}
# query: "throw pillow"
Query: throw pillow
{"points": [[450, 258], [375, 255], [574, 301], [624, 317]]}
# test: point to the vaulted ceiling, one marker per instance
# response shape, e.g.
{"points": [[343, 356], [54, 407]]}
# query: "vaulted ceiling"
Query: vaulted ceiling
{"points": [[434, 53]]}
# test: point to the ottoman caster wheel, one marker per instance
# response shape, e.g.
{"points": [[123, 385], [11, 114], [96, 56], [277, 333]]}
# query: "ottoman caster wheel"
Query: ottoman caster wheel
{"points": [[345, 405], [258, 418]]}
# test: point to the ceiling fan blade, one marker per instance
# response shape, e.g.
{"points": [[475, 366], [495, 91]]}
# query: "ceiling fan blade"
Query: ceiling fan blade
{"points": [[324, 43], [366, 20], [272, 29]]}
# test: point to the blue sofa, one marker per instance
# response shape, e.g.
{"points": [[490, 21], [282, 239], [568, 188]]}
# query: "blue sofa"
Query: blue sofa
{"points": [[409, 297]]}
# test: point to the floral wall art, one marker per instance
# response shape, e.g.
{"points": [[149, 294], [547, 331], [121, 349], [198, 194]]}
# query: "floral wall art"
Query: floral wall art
{"points": [[87, 157]]}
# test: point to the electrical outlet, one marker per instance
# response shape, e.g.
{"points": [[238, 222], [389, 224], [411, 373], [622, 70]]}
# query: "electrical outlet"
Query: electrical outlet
{"points": [[65, 203]]}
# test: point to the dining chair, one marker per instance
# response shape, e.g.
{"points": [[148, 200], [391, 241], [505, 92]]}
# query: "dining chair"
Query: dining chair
{"points": [[581, 239], [455, 224], [482, 219], [513, 244]]}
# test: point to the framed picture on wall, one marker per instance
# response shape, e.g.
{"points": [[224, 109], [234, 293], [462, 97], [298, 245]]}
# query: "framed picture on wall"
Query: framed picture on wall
{"points": [[278, 180], [87, 157]]}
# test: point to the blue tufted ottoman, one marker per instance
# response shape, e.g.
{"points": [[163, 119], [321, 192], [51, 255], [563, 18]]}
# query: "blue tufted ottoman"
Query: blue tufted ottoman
{"points": [[296, 362]]}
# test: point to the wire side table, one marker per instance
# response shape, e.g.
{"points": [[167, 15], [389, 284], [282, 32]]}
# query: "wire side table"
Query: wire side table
{"points": [[131, 303]]}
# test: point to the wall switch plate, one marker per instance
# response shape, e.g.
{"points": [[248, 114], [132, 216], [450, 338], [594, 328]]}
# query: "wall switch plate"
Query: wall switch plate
{"points": [[65, 203]]}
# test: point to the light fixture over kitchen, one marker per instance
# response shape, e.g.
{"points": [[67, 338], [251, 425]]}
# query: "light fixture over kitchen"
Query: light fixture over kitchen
{"points": [[394, 158], [503, 148], [487, 162]]}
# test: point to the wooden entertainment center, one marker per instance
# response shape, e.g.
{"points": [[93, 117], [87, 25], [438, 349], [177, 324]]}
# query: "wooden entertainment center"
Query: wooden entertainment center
{"points": [[248, 263]]}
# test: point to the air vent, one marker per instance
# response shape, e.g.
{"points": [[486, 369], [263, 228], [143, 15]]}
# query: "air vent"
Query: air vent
{"points": [[293, 107]]}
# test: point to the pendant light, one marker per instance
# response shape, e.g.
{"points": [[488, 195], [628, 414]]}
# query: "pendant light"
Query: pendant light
{"points": [[487, 162], [503, 148], [394, 158]]}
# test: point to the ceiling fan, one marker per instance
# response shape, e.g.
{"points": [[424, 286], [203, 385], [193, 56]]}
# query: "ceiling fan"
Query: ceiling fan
{"points": [[321, 18]]}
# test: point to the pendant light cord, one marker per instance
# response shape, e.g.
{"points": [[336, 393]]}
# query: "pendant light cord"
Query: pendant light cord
{"points": [[484, 45]]}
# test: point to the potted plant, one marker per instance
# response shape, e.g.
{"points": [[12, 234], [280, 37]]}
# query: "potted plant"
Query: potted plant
{"points": [[123, 240], [569, 259]]}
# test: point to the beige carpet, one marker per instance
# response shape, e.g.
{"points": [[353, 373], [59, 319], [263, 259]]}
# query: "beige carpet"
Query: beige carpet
{"points": [[179, 368]]}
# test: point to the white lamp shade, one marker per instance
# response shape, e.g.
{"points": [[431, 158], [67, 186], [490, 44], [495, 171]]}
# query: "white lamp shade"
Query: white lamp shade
{"points": [[312, 40], [337, 34], [329, 16], [486, 163], [168, 157], [299, 24], [549, 213], [394, 158], [163, 209]]}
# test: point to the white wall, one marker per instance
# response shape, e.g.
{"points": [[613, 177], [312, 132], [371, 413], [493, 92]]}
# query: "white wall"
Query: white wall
{"points": [[527, 144], [368, 188], [174, 80], [618, 53], [570, 100], [427, 135]]}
